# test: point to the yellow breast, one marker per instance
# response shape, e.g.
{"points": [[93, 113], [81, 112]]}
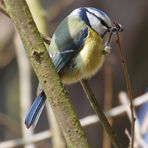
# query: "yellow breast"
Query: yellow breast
{"points": [[87, 62]]}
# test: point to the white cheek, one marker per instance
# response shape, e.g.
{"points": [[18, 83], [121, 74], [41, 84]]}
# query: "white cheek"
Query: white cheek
{"points": [[95, 24]]}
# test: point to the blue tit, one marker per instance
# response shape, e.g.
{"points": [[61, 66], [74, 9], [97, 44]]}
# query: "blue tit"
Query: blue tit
{"points": [[76, 50]]}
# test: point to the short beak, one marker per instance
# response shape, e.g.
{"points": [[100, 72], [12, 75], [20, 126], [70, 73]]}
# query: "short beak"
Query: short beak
{"points": [[117, 28]]}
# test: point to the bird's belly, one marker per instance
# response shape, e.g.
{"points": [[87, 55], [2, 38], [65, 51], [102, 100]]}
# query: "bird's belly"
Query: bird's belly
{"points": [[87, 61]]}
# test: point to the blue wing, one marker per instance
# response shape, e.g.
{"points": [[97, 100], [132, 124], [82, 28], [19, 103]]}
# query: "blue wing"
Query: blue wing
{"points": [[60, 59]]}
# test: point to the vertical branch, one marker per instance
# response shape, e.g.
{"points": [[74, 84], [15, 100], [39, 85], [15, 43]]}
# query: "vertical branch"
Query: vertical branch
{"points": [[129, 90], [107, 98], [25, 85]]}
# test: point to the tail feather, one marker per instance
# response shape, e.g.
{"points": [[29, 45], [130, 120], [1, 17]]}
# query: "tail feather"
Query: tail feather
{"points": [[35, 110]]}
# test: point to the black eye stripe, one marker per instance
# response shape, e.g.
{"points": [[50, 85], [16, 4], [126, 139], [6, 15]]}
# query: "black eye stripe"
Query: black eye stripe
{"points": [[101, 20], [104, 23]]}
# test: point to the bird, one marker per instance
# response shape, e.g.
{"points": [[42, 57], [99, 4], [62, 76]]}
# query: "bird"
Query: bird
{"points": [[76, 50]]}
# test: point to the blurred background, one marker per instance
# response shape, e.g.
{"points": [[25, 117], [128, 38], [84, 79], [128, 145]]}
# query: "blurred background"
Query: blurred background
{"points": [[18, 82]]}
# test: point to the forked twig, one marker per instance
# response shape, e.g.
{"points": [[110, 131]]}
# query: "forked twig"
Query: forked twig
{"points": [[128, 86]]}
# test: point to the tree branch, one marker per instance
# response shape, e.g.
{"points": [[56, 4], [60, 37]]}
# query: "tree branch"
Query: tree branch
{"points": [[46, 73]]}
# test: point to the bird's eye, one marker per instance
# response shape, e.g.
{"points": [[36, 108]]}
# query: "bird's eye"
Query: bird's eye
{"points": [[104, 23]]}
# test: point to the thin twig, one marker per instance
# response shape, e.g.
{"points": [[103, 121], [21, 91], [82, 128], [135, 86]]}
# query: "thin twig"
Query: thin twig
{"points": [[129, 90], [96, 107], [107, 97]]}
